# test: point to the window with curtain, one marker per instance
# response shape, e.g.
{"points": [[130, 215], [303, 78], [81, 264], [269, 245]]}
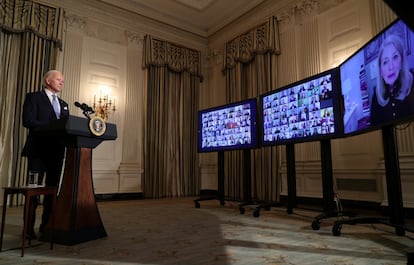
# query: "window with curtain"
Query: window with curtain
{"points": [[250, 69], [30, 42], [173, 83]]}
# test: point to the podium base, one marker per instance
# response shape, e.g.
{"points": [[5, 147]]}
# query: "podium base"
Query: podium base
{"points": [[70, 238]]}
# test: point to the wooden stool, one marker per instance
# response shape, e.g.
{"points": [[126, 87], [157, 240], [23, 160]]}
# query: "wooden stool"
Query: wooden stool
{"points": [[28, 192]]}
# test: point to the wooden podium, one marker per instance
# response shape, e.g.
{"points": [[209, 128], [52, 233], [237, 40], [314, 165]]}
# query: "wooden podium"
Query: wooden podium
{"points": [[76, 214]]}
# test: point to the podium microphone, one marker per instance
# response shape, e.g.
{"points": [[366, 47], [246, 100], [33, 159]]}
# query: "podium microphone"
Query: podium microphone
{"points": [[77, 104], [87, 110]]}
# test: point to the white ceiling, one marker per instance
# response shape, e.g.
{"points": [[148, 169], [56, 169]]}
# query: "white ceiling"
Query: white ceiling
{"points": [[201, 17]]}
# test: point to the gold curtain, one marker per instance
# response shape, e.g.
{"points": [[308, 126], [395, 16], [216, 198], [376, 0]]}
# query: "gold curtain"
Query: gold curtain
{"points": [[250, 63], [30, 42], [173, 83]]}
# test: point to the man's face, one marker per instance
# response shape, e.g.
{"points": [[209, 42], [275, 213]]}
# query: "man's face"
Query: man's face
{"points": [[55, 82]]}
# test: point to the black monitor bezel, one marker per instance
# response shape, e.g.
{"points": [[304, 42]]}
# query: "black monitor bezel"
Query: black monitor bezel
{"points": [[253, 127], [367, 45], [336, 104]]}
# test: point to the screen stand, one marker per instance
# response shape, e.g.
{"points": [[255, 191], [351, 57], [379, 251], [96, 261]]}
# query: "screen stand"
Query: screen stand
{"points": [[220, 182], [394, 193], [291, 177], [291, 183], [327, 188], [247, 185]]}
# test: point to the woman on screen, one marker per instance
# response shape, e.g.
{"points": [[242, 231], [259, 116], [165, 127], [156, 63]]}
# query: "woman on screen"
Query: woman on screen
{"points": [[394, 97]]}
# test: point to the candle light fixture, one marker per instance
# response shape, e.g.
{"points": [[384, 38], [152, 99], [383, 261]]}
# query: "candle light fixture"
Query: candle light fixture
{"points": [[103, 106]]}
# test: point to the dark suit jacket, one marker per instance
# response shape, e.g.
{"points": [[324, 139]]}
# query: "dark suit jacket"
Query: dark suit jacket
{"points": [[38, 111]]}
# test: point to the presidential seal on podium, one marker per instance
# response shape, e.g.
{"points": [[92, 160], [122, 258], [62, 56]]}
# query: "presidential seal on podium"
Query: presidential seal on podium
{"points": [[97, 125]]}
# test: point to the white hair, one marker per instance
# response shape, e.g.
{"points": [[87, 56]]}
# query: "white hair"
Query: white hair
{"points": [[49, 74]]}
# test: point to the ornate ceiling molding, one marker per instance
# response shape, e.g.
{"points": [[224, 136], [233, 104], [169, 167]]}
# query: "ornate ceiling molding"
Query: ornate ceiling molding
{"points": [[75, 23], [135, 38], [306, 7]]}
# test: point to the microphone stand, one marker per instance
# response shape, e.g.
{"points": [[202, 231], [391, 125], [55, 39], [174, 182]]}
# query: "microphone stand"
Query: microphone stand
{"points": [[87, 113]]}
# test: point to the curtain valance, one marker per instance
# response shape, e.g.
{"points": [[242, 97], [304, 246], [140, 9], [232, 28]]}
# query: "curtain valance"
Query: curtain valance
{"points": [[177, 58], [18, 16], [261, 39]]}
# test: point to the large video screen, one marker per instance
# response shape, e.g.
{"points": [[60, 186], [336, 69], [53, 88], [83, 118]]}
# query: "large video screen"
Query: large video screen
{"points": [[377, 81], [307, 110], [228, 127]]}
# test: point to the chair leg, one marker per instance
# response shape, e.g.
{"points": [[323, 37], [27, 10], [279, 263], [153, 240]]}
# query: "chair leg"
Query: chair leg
{"points": [[3, 218], [26, 220]]}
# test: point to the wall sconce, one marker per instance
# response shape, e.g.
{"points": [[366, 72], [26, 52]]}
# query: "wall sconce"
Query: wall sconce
{"points": [[103, 106]]}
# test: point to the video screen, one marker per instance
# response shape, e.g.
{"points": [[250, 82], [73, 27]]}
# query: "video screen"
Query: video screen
{"points": [[377, 81], [307, 110], [228, 127]]}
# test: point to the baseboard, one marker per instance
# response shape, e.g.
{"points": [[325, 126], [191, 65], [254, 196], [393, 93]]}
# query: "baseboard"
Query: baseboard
{"points": [[208, 192], [118, 196]]}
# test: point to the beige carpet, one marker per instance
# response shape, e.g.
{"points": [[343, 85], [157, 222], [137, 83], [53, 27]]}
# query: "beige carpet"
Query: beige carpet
{"points": [[173, 231]]}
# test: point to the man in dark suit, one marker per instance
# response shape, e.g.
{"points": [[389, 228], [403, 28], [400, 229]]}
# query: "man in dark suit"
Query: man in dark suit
{"points": [[45, 153]]}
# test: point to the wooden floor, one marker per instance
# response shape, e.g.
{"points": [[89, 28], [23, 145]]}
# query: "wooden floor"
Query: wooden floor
{"points": [[174, 231]]}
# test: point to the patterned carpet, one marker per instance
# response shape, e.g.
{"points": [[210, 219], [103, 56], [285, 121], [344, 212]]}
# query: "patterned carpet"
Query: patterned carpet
{"points": [[173, 231]]}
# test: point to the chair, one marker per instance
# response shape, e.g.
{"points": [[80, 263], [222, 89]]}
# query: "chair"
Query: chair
{"points": [[28, 192]]}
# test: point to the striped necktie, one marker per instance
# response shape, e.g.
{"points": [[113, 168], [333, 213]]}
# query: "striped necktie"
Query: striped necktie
{"points": [[55, 104]]}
